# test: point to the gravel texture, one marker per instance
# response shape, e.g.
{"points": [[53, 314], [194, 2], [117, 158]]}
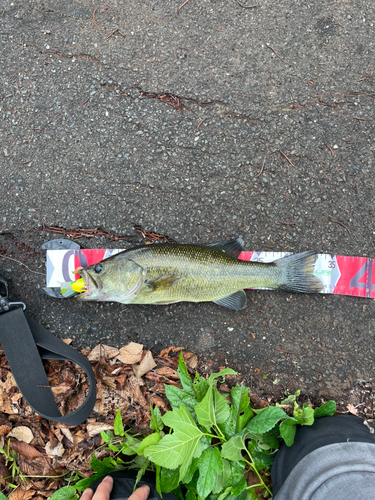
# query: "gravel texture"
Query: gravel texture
{"points": [[88, 140]]}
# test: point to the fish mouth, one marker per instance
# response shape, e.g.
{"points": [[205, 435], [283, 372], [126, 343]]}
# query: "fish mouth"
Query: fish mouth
{"points": [[91, 285]]}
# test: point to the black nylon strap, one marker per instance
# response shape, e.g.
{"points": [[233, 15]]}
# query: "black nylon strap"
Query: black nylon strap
{"points": [[25, 342]]}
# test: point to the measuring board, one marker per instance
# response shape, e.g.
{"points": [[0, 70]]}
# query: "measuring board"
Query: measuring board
{"points": [[339, 274]]}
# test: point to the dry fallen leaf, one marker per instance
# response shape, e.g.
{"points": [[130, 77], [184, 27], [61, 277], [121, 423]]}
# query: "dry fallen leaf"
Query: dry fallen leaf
{"points": [[22, 433], [167, 371], [145, 366], [24, 449], [54, 451], [67, 433], [191, 361], [352, 409], [96, 427], [6, 427], [22, 494], [103, 351], [165, 352], [130, 353]]}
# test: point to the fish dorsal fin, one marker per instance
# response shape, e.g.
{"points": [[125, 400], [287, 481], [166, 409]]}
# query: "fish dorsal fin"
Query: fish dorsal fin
{"points": [[234, 301], [161, 282], [232, 247]]}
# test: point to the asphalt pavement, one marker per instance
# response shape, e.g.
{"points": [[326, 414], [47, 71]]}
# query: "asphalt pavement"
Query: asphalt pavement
{"points": [[219, 122]]}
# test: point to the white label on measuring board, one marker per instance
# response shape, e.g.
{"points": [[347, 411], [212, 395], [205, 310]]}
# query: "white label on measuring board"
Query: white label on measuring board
{"points": [[339, 274]]}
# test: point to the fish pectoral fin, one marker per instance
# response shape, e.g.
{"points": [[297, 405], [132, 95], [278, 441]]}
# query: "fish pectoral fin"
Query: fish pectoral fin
{"points": [[234, 301], [233, 247], [161, 282]]}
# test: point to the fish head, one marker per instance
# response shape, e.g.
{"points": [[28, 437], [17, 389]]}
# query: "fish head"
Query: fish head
{"points": [[111, 280]]}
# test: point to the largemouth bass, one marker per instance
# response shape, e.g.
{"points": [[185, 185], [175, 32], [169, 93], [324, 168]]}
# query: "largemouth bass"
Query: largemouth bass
{"points": [[167, 273]]}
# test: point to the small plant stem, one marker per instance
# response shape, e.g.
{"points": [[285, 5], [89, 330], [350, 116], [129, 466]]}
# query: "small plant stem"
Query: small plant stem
{"points": [[221, 435], [251, 464], [254, 486], [215, 436]]}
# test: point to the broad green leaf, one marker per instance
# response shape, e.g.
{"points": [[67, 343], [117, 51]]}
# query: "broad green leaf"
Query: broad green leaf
{"points": [[190, 495], [200, 386], [222, 478], [239, 487], [118, 427], [65, 493], [3, 497], [262, 460], [148, 441], [326, 410], [180, 447], [192, 484], [185, 378], [191, 470], [127, 450], [141, 471], [85, 483], [156, 423], [288, 430], [213, 409], [272, 438], [104, 436], [307, 415], [266, 420], [240, 411], [237, 470], [240, 397], [178, 493], [209, 464], [169, 479], [205, 410], [252, 495], [222, 374], [222, 407], [101, 466], [231, 450], [225, 493], [243, 495], [177, 397], [206, 442]]}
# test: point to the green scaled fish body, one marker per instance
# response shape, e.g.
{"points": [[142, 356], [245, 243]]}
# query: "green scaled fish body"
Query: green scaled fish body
{"points": [[167, 273]]}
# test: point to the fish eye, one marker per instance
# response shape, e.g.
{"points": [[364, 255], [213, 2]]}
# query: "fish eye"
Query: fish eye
{"points": [[98, 269]]}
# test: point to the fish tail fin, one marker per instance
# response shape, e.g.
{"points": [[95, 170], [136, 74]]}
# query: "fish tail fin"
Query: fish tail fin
{"points": [[296, 273]]}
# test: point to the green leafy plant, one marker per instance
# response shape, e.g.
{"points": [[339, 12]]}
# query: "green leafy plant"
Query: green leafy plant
{"points": [[208, 446], [11, 461]]}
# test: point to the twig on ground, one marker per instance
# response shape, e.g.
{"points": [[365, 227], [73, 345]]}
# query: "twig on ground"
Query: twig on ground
{"points": [[81, 233], [200, 123], [261, 170], [22, 264], [180, 7], [152, 237], [287, 159], [93, 17], [273, 50], [340, 223]]}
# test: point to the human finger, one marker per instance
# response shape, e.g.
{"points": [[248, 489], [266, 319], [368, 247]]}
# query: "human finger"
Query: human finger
{"points": [[102, 492], [141, 493]]}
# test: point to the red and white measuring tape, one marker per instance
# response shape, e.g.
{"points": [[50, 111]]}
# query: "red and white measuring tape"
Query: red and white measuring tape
{"points": [[339, 274]]}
